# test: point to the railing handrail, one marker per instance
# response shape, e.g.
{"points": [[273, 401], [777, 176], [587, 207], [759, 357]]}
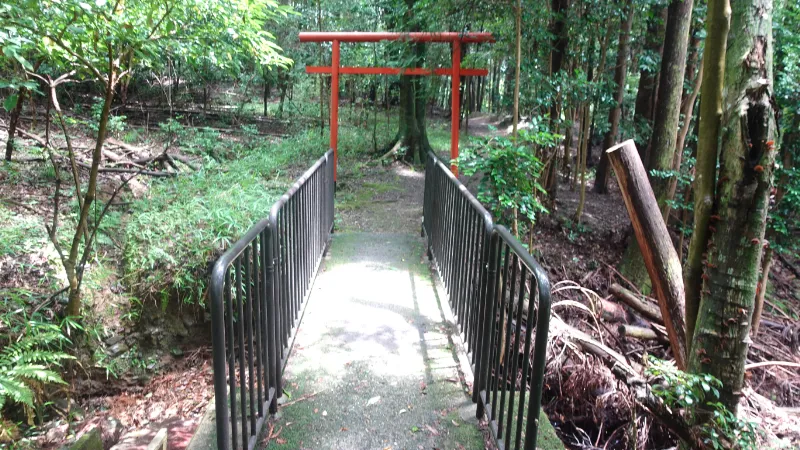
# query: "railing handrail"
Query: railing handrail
{"points": [[542, 279], [467, 259], [474, 202], [276, 207], [257, 260]]}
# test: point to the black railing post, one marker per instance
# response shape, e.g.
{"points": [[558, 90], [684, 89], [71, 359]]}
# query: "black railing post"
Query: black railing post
{"points": [[219, 357], [539, 356], [273, 332], [489, 265], [257, 291]]}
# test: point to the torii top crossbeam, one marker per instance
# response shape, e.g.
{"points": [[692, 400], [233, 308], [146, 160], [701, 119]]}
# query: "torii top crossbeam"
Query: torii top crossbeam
{"points": [[456, 72]]}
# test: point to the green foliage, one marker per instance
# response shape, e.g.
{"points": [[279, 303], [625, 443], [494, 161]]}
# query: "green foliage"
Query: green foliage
{"points": [[684, 392], [116, 124], [184, 223], [30, 350], [784, 219], [510, 172]]}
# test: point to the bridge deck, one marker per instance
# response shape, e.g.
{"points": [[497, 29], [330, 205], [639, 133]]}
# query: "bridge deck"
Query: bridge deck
{"points": [[375, 364]]}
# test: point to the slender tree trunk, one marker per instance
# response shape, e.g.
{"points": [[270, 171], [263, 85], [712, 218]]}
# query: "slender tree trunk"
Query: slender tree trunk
{"points": [[761, 292], [518, 59], [688, 113], [717, 27], [508, 86], [584, 151], [747, 161], [73, 264], [566, 160], [620, 72], [560, 43], [13, 121], [644, 109]]}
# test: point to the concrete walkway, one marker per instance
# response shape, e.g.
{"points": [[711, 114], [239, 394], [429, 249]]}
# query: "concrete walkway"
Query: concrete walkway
{"points": [[374, 364]]}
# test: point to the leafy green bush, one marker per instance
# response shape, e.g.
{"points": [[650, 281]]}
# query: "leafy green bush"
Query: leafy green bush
{"points": [[684, 391], [509, 172]]}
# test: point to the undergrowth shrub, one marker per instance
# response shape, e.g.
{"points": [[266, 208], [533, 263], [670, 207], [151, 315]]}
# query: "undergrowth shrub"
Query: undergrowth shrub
{"points": [[184, 223], [682, 392], [509, 172], [30, 356]]}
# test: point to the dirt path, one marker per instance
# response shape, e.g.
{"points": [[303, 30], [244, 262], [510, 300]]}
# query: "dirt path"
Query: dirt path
{"points": [[373, 198]]}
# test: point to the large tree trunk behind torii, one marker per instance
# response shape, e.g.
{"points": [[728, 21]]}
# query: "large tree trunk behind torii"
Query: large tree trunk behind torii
{"points": [[411, 133]]}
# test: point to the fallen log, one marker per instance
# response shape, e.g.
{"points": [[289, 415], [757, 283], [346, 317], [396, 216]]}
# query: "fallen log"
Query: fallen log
{"points": [[150, 173], [646, 309], [612, 312], [654, 241], [641, 333]]}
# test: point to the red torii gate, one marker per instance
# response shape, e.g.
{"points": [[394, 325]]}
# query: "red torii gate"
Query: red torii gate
{"points": [[456, 72]]}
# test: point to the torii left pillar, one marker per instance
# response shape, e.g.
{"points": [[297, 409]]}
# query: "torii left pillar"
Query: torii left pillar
{"points": [[455, 72]]}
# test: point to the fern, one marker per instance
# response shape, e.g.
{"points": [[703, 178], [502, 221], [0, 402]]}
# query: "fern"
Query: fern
{"points": [[30, 359]]}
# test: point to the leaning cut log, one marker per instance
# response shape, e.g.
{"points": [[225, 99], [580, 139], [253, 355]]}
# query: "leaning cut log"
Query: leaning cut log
{"points": [[660, 257]]}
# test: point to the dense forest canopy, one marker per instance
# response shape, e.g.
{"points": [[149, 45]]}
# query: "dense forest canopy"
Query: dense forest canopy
{"points": [[142, 138]]}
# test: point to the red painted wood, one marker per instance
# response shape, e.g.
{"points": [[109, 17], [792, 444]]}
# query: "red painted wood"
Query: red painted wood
{"points": [[455, 108], [357, 36], [326, 70], [335, 106], [455, 72]]}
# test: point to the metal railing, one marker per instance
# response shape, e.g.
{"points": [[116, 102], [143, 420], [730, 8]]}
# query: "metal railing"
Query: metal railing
{"points": [[258, 289], [500, 297]]}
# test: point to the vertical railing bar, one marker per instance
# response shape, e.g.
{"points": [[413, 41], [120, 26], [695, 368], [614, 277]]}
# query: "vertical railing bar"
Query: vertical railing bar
{"points": [[232, 358], [242, 368], [515, 362], [503, 278], [469, 293], [473, 293], [507, 344], [256, 299], [526, 357], [248, 323], [460, 262]]}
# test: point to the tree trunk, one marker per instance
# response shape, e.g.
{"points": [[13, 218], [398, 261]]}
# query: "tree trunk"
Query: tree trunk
{"points": [[665, 126], [518, 59], [747, 161], [620, 72], [73, 265], [717, 26], [670, 92], [654, 242], [761, 292], [508, 86], [267, 89], [13, 121], [583, 152], [560, 43], [644, 108], [412, 133]]}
